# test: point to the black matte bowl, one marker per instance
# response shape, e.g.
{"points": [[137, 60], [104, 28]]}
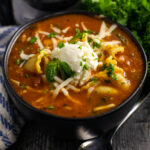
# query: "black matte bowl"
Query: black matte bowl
{"points": [[80, 128], [52, 5]]}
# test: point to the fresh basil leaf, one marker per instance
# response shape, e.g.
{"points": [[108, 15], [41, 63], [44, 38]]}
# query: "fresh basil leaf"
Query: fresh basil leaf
{"points": [[66, 71], [51, 70]]}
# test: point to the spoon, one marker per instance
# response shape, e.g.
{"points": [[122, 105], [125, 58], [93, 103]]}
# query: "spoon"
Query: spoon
{"points": [[105, 142]]}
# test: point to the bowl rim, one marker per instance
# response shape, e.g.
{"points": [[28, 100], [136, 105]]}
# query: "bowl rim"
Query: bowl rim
{"points": [[23, 27]]}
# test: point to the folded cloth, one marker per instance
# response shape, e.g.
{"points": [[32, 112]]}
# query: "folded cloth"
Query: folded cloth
{"points": [[10, 121]]}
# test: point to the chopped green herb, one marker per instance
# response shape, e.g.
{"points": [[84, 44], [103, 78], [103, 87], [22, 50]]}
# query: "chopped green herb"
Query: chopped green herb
{"points": [[39, 50], [77, 30], [103, 99], [110, 71], [92, 54], [90, 40], [84, 59], [51, 107], [122, 38], [81, 63], [83, 35], [122, 83], [61, 45], [89, 31], [26, 75], [52, 35], [104, 67], [114, 77], [78, 35], [23, 86], [74, 42], [19, 52], [85, 67], [18, 61], [95, 44], [96, 59], [94, 79], [46, 91], [80, 47], [52, 87], [33, 40]]}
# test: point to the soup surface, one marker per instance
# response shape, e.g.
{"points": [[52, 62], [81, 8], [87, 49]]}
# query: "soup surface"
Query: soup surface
{"points": [[74, 66]]}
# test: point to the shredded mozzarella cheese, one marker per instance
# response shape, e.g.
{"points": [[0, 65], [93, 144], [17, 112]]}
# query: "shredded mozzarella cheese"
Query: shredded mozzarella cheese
{"points": [[67, 38], [43, 32], [65, 30], [55, 29], [103, 31], [21, 65], [83, 26], [59, 37], [39, 41], [112, 28], [111, 43], [28, 39], [90, 90], [65, 92], [15, 81], [57, 79], [54, 43], [25, 56], [104, 107], [77, 25], [63, 84]]}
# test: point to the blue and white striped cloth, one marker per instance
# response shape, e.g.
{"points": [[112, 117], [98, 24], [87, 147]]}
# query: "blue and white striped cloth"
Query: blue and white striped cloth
{"points": [[10, 122]]}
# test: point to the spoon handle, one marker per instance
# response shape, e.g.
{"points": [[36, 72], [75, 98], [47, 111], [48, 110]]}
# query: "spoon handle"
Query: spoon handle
{"points": [[97, 144]]}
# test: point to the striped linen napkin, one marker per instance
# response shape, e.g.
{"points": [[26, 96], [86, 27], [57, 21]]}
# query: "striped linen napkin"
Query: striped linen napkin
{"points": [[10, 121]]}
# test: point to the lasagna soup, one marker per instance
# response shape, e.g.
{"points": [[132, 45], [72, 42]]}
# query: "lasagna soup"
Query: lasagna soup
{"points": [[74, 66]]}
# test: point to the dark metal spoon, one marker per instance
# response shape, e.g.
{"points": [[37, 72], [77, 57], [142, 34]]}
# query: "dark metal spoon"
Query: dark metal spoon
{"points": [[105, 142]]}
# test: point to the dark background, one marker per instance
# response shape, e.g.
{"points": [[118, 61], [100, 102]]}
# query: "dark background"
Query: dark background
{"points": [[6, 15]]}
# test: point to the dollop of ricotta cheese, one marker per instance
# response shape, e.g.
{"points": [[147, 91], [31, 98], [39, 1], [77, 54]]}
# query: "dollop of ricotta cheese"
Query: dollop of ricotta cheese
{"points": [[76, 56]]}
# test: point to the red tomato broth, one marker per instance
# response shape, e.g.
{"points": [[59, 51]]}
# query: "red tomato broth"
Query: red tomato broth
{"points": [[61, 105]]}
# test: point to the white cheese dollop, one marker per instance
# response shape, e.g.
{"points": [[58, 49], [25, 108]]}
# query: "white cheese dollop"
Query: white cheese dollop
{"points": [[75, 55]]}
